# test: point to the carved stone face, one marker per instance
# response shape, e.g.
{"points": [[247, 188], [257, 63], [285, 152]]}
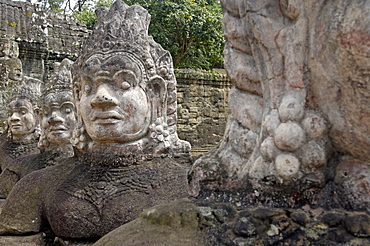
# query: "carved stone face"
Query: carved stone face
{"points": [[113, 106], [15, 72], [58, 117], [4, 48], [22, 119]]}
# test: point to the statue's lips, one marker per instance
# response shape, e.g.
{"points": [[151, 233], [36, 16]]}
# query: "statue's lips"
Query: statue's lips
{"points": [[16, 126], [59, 129], [106, 117]]}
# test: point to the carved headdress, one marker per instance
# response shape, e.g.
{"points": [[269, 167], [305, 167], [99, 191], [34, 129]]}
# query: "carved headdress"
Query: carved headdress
{"points": [[61, 80], [30, 89], [123, 29]]}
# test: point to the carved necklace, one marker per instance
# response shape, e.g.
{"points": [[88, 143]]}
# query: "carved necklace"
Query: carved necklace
{"points": [[15, 150], [110, 178]]}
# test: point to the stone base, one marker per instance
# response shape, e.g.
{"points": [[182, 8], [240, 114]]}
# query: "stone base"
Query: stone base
{"points": [[1, 204], [34, 240], [221, 224]]}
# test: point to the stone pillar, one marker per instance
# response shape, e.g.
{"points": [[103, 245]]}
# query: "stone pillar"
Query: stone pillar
{"points": [[300, 100], [202, 108]]}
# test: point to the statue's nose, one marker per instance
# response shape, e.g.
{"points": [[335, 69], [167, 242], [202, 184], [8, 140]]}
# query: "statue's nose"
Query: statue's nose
{"points": [[55, 118], [15, 117], [104, 97]]}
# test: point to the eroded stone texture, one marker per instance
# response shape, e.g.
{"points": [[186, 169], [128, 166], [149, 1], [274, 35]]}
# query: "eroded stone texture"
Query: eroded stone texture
{"points": [[33, 240], [287, 166], [289, 136], [157, 226], [339, 63], [307, 66], [223, 224], [128, 156], [353, 177]]}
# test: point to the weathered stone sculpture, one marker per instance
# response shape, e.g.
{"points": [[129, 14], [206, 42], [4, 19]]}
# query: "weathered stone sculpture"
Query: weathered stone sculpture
{"points": [[294, 160], [57, 124], [299, 107], [10, 75], [125, 138], [23, 126], [121, 66]]}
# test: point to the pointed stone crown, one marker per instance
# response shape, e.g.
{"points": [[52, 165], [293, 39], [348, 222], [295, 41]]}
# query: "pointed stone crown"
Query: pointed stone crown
{"points": [[61, 79], [30, 89], [124, 28]]}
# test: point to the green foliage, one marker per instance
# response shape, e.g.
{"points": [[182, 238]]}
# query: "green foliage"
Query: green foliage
{"points": [[190, 29], [55, 5], [87, 14]]}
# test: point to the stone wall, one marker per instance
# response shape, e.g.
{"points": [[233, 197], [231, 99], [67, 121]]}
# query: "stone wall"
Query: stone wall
{"points": [[43, 37], [202, 107]]}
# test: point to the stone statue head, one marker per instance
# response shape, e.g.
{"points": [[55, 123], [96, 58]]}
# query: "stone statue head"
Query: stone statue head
{"points": [[57, 108], [22, 111], [10, 65], [10, 71], [124, 85], [8, 48]]}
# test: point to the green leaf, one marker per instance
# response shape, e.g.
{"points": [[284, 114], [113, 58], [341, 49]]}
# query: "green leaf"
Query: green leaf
{"points": [[191, 30]]}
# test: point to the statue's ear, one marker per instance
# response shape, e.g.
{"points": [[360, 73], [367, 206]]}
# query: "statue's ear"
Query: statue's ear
{"points": [[158, 90], [38, 115], [158, 86]]}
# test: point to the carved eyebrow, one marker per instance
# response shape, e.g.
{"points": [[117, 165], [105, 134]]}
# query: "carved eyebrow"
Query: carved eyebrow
{"points": [[57, 105], [19, 109], [23, 107], [67, 104], [54, 104], [124, 72], [102, 73]]}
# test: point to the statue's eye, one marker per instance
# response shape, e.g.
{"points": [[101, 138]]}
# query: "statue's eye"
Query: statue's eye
{"points": [[67, 108], [23, 111], [46, 112], [87, 88], [125, 85]]}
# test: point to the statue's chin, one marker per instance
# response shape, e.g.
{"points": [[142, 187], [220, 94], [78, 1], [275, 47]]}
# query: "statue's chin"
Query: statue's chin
{"points": [[123, 138], [119, 149]]}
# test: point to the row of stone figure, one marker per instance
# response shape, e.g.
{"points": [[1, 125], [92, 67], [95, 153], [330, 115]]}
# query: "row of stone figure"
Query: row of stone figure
{"points": [[108, 136], [54, 114]]}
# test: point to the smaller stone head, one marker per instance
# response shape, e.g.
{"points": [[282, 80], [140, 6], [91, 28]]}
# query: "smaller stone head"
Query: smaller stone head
{"points": [[57, 108], [10, 72], [15, 69], [23, 110], [8, 48]]}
